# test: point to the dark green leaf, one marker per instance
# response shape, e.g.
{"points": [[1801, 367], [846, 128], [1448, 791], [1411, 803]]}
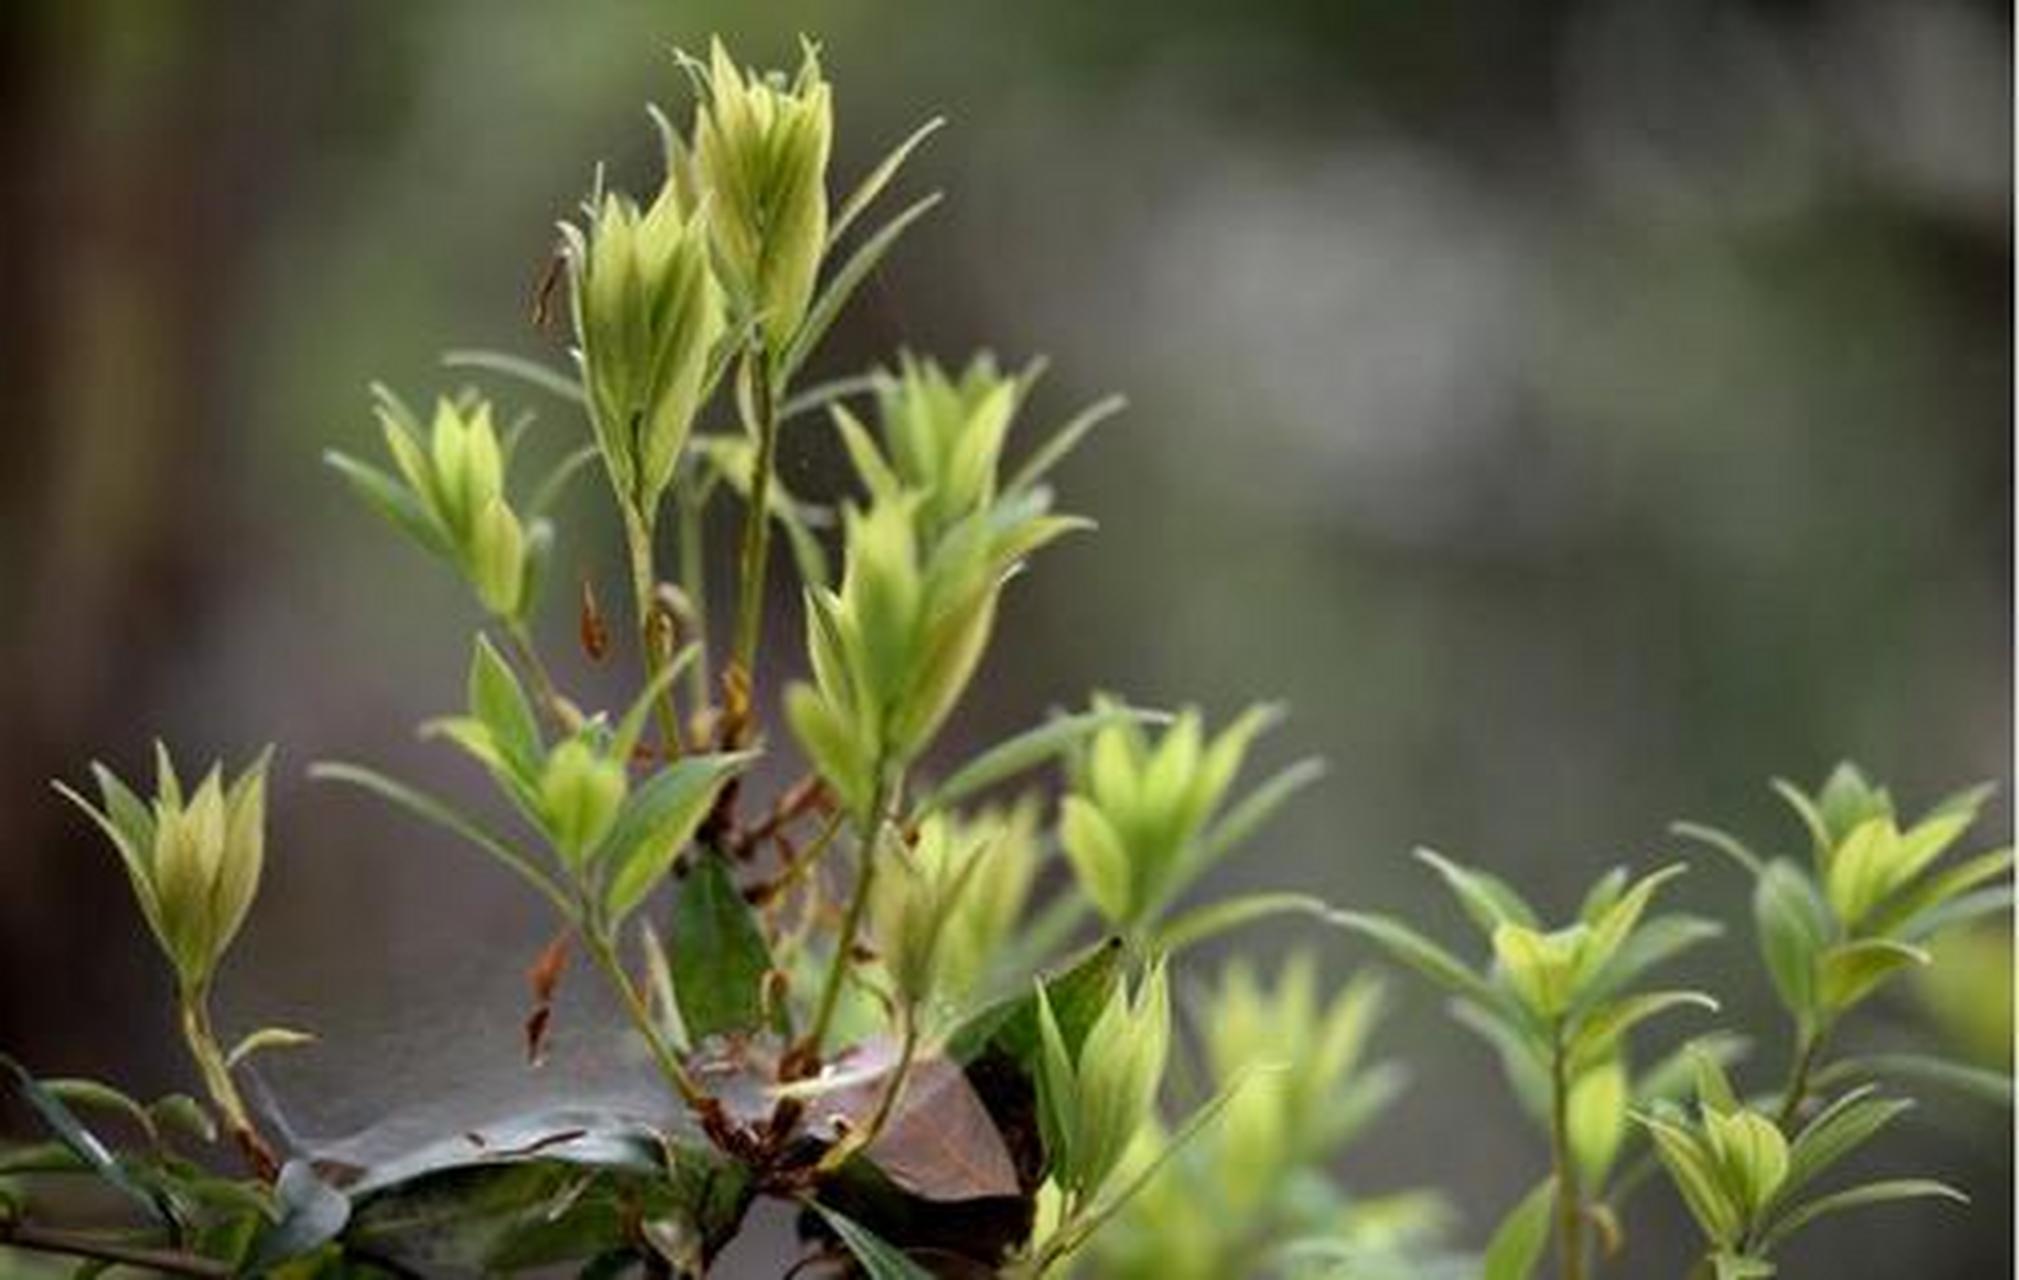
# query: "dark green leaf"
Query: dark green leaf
{"points": [[718, 955], [880, 1259], [1077, 995]]}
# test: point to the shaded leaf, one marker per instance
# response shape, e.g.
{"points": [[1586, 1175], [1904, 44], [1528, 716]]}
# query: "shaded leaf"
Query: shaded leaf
{"points": [[1077, 994], [718, 955], [880, 1259]]}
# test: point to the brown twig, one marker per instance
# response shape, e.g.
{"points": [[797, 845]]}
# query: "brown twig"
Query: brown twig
{"points": [[77, 1244]]}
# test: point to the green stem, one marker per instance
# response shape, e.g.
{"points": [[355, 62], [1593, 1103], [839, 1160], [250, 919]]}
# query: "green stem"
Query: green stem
{"points": [[545, 691], [757, 519], [603, 950], [851, 921], [1569, 1199], [76, 1244], [198, 1034], [651, 638], [1808, 1046], [692, 508], [906, 1054]]}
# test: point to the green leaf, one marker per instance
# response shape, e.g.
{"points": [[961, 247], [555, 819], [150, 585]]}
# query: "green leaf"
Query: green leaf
{"points": [[1142, 1175], [1524, 1053], [1721, 841], [1839, 1129], [1850, 971], [311, 1214], [718, 960], [91, 1093], [180, 1111], [1025, 751], [1063, 442], [530, 372], [549, 490], [444, 815], [1739, 1266], [1248, 814], [656, 823], [1486, 898], [393, 501], [85, 1144], [1519, 1240], [1655, 942], [1908, 908], [1420, 954], [1601, 1030], [267, 1038], [878, 178], [1988, 1086], [1612, 928], [1672, 1076], [1694, 1172], [1215, 918], [1794, 927], [880, 1259], [1857, 1197], [1077, 994], [498, 700], [827, 308]]}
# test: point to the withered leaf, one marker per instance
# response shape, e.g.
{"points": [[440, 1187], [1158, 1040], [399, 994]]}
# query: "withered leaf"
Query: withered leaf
{"points": [[939, 1142], [544, 977]]}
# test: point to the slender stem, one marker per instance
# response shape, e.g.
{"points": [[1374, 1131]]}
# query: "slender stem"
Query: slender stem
{"points": [[808, 858], [851, 920], [210, 1062], [692, 509], [1808, 1046], [1569, 1199], [651, 637], [545, 691], [906, 1054], [757, 519], [77, 1244], [604, 952]]}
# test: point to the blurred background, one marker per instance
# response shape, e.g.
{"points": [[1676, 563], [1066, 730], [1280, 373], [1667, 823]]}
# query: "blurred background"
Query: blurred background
{"points": [[1577, 412]]}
